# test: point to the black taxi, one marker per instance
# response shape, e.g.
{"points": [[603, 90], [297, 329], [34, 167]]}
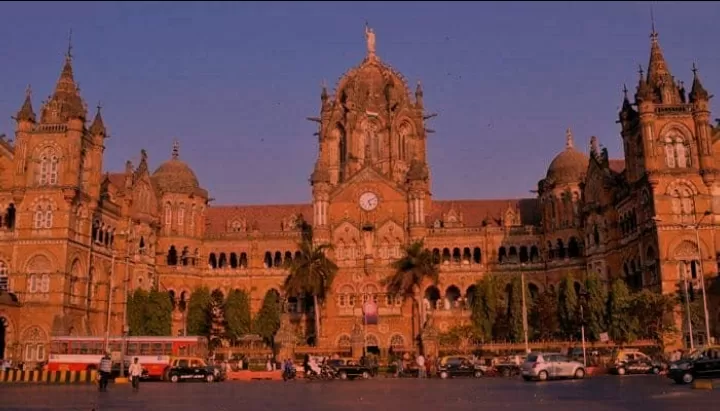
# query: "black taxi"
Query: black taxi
{"points": [[193, 369]]}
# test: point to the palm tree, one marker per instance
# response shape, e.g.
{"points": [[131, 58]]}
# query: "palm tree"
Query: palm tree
{"points": [[411, 269], [311, 273]]}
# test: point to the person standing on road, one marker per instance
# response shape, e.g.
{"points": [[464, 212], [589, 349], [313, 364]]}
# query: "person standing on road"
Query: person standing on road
{"points": [[105, 370], [135, 372], [422, 372]]}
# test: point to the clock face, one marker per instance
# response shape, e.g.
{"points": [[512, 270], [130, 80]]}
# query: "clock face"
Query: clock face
{"points": [[368, 201]]}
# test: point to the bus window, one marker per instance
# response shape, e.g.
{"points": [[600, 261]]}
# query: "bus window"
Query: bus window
{"points": [[168, 349], [59, 347], [157, 348], [144, 349], [132, 349], [183, 350], [114, 347]]}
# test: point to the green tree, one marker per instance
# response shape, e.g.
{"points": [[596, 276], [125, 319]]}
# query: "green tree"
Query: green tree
{"points": [[238, 321], [595, 307], [137, 301], [216, 313], [198, 313], [622, 322], [485, 307], [416, 265], [654, 313], [544, 315], [311, 273], [515, 311], [158, 313], [568, 308], [267, 320]]}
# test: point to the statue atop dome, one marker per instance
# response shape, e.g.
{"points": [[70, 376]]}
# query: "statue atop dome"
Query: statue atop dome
{"points": [[370, 37]]}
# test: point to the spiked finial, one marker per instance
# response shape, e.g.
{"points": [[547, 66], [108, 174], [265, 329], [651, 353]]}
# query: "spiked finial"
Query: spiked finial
{"points": [[653, 33], [625, 91], [68, 55], [697, 91], [569, 143], [641, 72], [175, 149]]}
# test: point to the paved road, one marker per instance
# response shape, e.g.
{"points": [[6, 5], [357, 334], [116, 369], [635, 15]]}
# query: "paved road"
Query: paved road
{"points": [[595, 394]]}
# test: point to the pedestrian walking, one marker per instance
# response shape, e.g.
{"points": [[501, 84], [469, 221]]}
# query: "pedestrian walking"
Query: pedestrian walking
{"points": [[105, 370], [135, 372], [420, 360]]}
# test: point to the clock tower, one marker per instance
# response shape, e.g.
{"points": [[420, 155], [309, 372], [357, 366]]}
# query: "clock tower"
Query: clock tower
{"points": [[371, 172]]}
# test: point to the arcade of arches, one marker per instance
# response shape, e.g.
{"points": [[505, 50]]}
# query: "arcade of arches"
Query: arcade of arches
{"points": [[622, 218]]}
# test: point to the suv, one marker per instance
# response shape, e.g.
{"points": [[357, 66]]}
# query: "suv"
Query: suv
{"points": [[192, 369], [544, 366], [704, 363], [629, 361]]}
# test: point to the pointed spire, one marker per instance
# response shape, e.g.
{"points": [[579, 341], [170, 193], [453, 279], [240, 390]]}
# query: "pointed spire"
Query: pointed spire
{"points": [[697, 92], [594, 147], [65, 102], [644, 91], [175, 149], [98, 126], [569, 143], [419, 94], [658, 71], [26, 112], [324, 93]]}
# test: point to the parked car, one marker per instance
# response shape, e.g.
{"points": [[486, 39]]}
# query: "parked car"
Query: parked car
{"points": [[545, 366], [193, 369], [348, 369], [632, 361], [702, 363], [459, 366]]}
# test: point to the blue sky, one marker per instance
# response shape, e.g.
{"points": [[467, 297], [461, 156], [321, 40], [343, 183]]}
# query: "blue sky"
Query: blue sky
{"points": [[234, 82]]}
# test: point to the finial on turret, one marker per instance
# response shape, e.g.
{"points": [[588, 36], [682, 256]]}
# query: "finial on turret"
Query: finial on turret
{"points": [[69, 55], [594, 147], [625, 91], [641, 72], [175, 149], [28, 91], [323, 93], [569, 143], [653, 33]]}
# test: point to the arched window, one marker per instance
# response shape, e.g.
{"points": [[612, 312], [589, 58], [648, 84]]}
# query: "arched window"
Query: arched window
{"points": [[677, 152], [682, 201], [193, 216], [4, 280], [34, 340], [181, 218], [43, 217], [49, 166], [168, 216]]}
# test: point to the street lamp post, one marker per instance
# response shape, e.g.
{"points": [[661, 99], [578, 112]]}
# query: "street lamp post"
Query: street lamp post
{"points": [[109, 304], [583, 299], [702, 275], [524, 309]]}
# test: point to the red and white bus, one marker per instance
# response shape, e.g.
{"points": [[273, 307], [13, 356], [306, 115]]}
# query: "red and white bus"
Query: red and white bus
{"points": [[84, 353]]}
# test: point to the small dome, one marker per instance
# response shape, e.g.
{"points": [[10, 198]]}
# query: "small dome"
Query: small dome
{"points": [[569, 166], [175, 176], [372, 84]]}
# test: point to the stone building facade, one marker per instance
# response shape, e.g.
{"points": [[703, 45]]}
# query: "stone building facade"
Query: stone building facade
{"points": [[75, 239]]}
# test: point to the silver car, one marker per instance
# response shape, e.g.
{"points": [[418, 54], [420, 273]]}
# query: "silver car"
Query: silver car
{"points": [[545, 366]]}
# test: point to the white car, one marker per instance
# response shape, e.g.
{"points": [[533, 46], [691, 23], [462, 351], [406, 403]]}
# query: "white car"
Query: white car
{"points": [[546, 366]]}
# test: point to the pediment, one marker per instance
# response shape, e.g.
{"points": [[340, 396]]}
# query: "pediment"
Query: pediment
{"points": [[391, 231], [346, 233], [367, 175]]}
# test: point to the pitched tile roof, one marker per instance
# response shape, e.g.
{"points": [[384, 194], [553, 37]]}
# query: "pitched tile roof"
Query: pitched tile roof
{"points": [[266, 217], [475, 211]]}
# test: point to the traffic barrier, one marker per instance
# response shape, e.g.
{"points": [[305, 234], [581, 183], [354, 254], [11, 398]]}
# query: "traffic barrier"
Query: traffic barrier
{"points": [[702, 385], [51, 377]]}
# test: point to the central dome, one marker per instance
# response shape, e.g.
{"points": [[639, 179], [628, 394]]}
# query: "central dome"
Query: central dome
{"points": [[373, 82], [569, 166], [175, 176]]}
